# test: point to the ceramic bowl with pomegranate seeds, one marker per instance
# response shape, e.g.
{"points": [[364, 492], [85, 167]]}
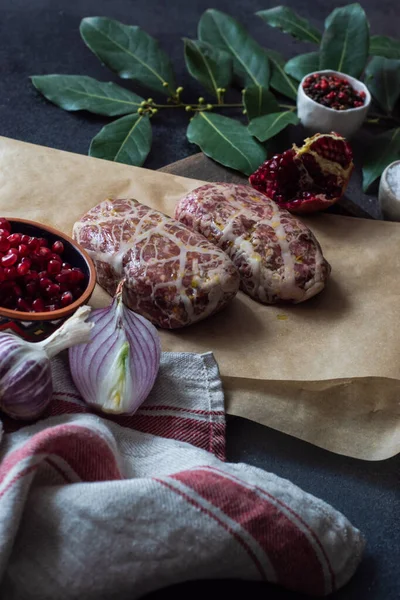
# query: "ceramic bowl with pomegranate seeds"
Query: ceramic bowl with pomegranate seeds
{"points": [[332, 101], [44, 277]]}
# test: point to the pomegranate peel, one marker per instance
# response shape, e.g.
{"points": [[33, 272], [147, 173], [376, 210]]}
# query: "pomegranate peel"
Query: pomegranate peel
{"points": [[309, 178]]}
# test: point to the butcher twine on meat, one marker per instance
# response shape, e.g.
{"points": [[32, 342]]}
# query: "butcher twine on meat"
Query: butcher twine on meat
{"points": [[173, 276], [277, 256]]}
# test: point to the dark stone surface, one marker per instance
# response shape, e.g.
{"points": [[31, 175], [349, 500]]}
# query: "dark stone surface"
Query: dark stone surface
{"points": [[41, 37]]}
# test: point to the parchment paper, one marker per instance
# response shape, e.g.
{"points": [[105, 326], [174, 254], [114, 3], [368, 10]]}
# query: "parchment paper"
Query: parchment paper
{"points": [[326, 371]]}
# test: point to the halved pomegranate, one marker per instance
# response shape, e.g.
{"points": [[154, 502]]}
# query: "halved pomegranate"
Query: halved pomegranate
{"points": [[310, 178]]}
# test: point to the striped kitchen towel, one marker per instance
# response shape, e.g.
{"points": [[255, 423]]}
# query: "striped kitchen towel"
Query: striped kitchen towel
{"points": [[186, 402], [99, 508]]}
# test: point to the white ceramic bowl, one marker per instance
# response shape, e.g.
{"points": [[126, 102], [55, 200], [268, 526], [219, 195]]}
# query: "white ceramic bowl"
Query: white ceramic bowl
{"points": [[390, 203], [322, 119]]}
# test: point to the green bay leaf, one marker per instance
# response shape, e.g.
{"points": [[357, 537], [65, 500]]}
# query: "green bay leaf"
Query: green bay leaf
{"points": [[280, 80], [130, 52], [383, 81], [301, 65], [267, 126], [385, 148], [126, 140], [289, 21], [345, 42], [249, 58], [383, 45], [78, 92], [227, 141], [212, 67], [259, 101]]}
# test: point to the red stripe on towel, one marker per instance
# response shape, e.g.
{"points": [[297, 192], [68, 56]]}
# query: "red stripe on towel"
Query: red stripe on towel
{"points": [[84, 450], [289, 550], [296, 516], [225, 526]]}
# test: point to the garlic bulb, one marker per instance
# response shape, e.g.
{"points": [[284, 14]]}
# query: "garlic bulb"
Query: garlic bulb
{"points": [[26, 386]]}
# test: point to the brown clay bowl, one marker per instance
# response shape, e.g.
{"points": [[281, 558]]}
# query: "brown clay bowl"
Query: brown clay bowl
{"points": [[37, 326]]}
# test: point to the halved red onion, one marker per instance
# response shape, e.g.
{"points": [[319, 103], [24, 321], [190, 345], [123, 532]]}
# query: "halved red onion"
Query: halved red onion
{"points": [[117, 368]]}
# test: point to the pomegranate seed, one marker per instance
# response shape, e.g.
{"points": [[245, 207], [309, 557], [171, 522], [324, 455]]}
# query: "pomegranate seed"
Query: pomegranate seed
{"points": [[33, 244], [23, 250], [36, 263], [10, 273], [9, 260], [14, 239], [38, 305], [4, 224], [43, 242], [66, 299], [23, 268], [58, 247], [16, 289], [26, 259], [32, 276], [66, 266], [4, 244], [53, 267], [64, 276], [25, 239], [44, 252], [13, 251], [56, 257], [31, 288], [53, 289], [42, 274], [23, 305], [77, 275], [44, 282]]}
